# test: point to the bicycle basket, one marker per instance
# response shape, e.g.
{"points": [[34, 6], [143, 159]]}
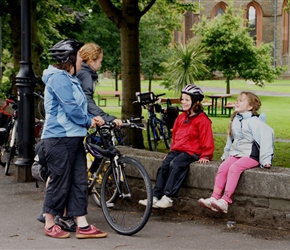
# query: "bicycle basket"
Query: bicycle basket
{"points": [[170, 116], [147, 97], [4, 121]]}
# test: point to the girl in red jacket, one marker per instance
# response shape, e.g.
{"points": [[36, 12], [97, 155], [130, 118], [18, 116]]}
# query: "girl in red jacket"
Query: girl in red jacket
{"points": [[192, 140]]}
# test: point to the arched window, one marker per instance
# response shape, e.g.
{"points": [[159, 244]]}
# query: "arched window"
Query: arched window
{"points": [[219, 9], [285, 30], [254, 18]]}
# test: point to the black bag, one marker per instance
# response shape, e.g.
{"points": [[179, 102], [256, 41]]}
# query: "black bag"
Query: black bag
{"points": [[39, 168], [170, 116], [4, 122]]}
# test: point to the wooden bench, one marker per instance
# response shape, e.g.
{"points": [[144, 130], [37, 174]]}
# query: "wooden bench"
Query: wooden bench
{"points": [[173, 100], [229, 107], [104, 95]]}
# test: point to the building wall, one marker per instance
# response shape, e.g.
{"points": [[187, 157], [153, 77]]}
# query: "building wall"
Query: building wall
{"points": [[272, 25]]}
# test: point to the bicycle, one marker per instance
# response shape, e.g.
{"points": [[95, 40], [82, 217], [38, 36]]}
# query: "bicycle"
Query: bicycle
{"points": [[9, 140], [118, 182], [157, 128], [95, 173]]}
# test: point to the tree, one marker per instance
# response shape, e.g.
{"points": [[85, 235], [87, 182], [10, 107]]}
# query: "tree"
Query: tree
{"points": [[185, 65], [233, 52], [126, 15], [127, 20]]}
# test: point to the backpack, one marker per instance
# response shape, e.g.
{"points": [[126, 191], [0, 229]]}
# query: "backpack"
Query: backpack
{"points": [[39, 168]]}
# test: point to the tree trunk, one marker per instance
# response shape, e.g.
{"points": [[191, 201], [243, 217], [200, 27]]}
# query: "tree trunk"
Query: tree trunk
{"points": [[116, 81], [228, 85], [150, 84], [131, 67]]}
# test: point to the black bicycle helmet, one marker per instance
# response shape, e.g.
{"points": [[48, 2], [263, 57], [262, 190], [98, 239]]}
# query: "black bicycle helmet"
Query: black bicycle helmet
{"points": [[194, 91], [64, 48]]}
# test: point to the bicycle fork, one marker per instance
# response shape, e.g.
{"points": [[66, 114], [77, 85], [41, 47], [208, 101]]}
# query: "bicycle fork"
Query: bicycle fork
{"points": [[120, 178]]}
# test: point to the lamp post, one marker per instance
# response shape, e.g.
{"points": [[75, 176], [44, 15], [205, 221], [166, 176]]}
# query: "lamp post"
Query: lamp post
{"points": [[25, 81]]}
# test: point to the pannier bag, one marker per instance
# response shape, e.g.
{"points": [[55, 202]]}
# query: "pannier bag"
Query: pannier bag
{"points": [[4, 122], [170, 116]]}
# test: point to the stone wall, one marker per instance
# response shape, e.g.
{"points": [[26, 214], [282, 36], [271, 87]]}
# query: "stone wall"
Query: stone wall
{"points": [[262, 197]]}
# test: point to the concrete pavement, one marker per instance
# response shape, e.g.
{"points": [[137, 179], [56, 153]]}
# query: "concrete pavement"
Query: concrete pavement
{"points": [[21, 203]]}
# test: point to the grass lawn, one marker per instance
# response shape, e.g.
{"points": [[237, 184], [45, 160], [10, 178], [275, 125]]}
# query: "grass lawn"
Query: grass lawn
{"points": [[275, 107]]}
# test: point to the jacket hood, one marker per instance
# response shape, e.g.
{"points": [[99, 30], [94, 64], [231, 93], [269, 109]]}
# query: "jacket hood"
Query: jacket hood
{"points": [[47, 73], [87, 68]]}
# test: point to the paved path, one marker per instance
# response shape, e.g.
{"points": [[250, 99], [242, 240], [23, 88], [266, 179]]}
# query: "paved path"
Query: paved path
{"points": [[21, 203]]}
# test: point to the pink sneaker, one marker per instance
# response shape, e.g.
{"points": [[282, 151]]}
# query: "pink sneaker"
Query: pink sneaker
{"points": [[91, 232], [56, 232]]}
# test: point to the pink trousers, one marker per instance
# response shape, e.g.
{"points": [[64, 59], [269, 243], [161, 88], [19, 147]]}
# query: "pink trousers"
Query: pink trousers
{"points": [[228, 175]]}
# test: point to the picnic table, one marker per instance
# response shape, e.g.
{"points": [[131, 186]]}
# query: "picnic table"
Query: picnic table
{"points": [[224, 107], [104, 95]]}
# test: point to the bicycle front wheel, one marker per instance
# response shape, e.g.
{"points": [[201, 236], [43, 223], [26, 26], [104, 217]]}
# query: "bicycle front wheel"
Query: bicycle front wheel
{"points": [[152, 140], [132, 182]]}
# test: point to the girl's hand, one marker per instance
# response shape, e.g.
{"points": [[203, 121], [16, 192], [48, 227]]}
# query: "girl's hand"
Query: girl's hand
{"points": [[99, 120], [268, 166], [203, 160]]}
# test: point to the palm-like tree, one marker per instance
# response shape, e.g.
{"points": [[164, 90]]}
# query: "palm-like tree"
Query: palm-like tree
{"points": [[185, 65]]}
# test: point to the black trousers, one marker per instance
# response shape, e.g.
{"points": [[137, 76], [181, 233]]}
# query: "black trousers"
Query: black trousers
{"points": [[67, 187], [172, 173]]}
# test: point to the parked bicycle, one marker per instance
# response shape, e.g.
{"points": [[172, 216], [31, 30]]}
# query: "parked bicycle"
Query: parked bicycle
{"points": [[9, 132], [118, 182], [158, 128]]}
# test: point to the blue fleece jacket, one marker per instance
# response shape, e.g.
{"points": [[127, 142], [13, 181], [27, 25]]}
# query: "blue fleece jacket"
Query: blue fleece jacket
{"points": [[65, 105]]}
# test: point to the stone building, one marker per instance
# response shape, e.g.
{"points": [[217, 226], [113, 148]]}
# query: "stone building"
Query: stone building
{"points": [[269, 20]]}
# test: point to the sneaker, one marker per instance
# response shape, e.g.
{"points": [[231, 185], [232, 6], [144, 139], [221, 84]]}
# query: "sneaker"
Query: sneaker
{"points": [[91, 232], [41, 217], [207, 203], [221, 205], [66, 223], [144, 202], [56, 232], [164, 202]]}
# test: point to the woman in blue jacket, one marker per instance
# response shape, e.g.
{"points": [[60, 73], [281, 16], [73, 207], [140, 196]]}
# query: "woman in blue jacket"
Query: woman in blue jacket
{"points": [[66, 124]]}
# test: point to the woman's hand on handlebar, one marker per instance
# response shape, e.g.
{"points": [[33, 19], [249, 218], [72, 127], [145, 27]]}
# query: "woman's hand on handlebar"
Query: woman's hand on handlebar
{"points": [[118, 122]]}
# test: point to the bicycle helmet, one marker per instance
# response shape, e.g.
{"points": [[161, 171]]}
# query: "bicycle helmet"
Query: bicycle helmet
{"points": [[194, 91], [64, 48]]}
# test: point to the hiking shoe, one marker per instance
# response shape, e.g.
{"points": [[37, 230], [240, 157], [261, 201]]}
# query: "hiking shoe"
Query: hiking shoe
{"points": [[144, 202], [207, 203], [41, 217], [66, 223], [164, 202], [91, 232], [56, 232], [221, 205]]}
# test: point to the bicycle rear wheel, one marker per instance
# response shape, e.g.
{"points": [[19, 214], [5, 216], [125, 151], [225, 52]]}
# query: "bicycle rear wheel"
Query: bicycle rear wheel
{"points": [[152, 140], [125, 215], [167, 136]]}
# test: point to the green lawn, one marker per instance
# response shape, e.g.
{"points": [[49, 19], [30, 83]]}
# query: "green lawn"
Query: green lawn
{"points": [[275, 107]]}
